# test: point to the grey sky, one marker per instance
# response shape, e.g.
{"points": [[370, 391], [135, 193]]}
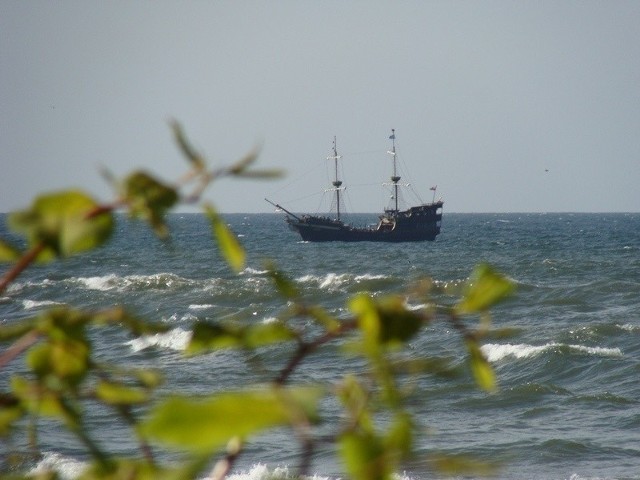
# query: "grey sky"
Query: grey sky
{"points": [[485, 97]]}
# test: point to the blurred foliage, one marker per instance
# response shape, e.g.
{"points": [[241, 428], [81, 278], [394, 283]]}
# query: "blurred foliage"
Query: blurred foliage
{"points": [[60, 373]]}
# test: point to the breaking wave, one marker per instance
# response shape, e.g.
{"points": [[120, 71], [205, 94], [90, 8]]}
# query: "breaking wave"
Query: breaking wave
{"points": [[69, 468], [175, 339], [497, 352], [336, 281]]}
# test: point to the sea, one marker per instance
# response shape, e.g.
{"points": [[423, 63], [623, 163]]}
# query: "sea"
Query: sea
{"points": [[568, 402]]}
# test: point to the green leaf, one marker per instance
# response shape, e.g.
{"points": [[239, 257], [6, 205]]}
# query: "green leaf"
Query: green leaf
{"points": [[149, 199], [13, 331], [8, 253], [356, 401], [188, 151], [322, 317], [386, 322], [64, 223], [240, 167], [148, 378], [8, 416], [264, 174], [398, 323], [400, 436], [264, 334], [364, 308], [364, 456], [119, 394], [230, 248], [205, 424], [67, 360], [486, 288], [284, 284], [65, 350], [37, 399], [208, 336], [482, 371], [39, 360]]}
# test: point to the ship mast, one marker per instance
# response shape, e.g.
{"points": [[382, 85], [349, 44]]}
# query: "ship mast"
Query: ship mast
{"points": [[336, 183], [395, 178]]}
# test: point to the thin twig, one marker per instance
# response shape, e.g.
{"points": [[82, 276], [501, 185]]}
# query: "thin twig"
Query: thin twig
{"points": [[306, 348], [18, 347], [224, 465], [26, 260]]}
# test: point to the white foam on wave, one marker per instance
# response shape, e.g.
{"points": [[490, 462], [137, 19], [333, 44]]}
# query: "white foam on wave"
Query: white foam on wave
{"points": [[598, 351], [253, 271], [104, 283], [332, 280], [629, 328], [369, 276], [416, 308], [263, 472], [204, 306], [176, 339], [115, 282], [31, 304], [328, 280], [450, 284], [496, 352], [336, 280], [67, 468], [330, 277]]}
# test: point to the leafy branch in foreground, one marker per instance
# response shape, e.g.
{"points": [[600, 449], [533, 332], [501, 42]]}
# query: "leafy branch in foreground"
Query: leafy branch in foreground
{"points": [[374, 435]]}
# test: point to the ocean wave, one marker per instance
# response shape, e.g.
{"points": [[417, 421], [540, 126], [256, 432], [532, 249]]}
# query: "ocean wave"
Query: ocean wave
{"points": [[104, 283], [604, 330], [629, 328], [497, 352], [32, 304], [333, 281], [451, 287], [417, 308], [67, 468], [263, 472], [159, 281], [605, 397], [204, 306], [17, 287], [597, 351], [253, 271], [176, 339]]}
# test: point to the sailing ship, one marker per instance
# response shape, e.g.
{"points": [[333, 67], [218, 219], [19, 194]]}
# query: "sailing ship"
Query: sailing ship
{"points": [[416, 224]]}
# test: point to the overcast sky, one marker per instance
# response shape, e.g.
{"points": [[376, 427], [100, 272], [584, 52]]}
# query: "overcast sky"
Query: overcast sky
{"points": [[506, 106]]}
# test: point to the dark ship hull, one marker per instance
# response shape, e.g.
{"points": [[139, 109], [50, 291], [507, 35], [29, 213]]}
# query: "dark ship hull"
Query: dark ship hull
{"points": [[417, 224]]}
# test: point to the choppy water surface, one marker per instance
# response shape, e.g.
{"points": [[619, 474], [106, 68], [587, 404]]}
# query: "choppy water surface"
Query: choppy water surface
{"points": [[569, 399]]}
